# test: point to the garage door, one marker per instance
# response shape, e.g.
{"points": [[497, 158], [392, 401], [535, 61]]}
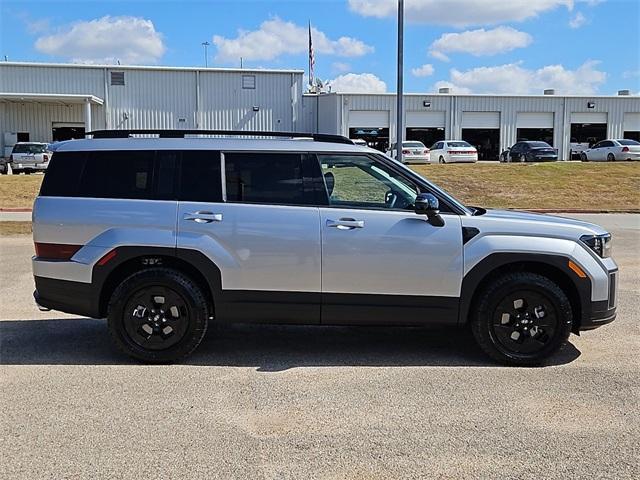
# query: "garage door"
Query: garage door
{"points": [[425, 119], [480, 119], [588, 117], [535, 120], [632, 122], [369, 118]]}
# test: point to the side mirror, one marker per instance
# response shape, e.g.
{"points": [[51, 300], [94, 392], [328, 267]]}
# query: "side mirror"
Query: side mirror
{"points": [[427, 204]]}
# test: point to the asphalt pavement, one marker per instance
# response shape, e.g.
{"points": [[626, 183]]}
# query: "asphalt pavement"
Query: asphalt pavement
{"points": [[270, 402]]}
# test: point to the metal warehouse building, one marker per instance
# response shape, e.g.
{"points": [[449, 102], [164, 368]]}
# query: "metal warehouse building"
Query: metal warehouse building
{"points": [[490, 122], [50, 102]]}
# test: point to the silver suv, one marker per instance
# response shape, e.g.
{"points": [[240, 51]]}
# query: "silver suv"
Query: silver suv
{"points": [[164, 235]]}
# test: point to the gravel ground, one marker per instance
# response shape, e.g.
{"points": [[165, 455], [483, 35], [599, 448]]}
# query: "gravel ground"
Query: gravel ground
{"points": [[328, 403]]}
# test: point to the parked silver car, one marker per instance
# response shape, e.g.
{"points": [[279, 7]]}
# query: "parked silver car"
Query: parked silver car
{"points": [[163, 236], [29, 157]]}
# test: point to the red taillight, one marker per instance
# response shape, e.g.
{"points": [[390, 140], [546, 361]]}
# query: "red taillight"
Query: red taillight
{"points": [[406, 152], [45, 157], [625, 149], [56, 251], [426, 150]]}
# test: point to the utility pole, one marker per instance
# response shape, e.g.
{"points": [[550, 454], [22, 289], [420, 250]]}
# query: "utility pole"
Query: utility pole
{"points": [[206, 60], [399, 104]]}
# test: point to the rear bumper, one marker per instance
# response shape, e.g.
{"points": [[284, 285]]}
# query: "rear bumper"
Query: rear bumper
{"points": [[29, 166], [66, 296]]}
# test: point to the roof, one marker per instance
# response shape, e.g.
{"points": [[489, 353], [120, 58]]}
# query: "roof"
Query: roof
{"points": [[226, 144], [63, 98], [149, 67], [504, 95]]}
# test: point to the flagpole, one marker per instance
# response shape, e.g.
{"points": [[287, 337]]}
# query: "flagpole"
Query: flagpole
{"points": [[399, 104], [311, 59]]}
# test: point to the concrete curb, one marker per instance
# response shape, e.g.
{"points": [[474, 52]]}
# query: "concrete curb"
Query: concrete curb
{"points": [[577, 210]]}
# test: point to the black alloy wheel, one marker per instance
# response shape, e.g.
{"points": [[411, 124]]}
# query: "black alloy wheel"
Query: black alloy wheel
{"points": [[524, 322], [158, 315], [522, 319]]}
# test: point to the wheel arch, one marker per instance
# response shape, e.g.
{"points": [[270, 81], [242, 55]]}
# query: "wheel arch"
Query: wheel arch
{"points": [[133, 259], [554, 267]]}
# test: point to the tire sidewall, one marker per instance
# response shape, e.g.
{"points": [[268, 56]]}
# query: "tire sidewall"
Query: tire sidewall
{"points": [[191, 294], [482, 325]]}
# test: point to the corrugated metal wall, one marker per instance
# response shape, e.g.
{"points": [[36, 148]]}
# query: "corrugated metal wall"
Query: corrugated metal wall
{"points": [[455, 106], [153, 98]]}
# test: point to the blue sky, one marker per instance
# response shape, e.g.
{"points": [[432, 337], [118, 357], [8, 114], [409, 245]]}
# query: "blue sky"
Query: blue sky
{"points": [[479, 46]]}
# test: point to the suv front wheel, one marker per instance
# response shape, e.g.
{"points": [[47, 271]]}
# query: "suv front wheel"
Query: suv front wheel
{"points": [[522, 319], [158, 315]]}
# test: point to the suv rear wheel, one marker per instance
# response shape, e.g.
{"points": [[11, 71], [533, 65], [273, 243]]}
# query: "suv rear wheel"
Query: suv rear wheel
{"points": [[158, 315], [522, 319]]}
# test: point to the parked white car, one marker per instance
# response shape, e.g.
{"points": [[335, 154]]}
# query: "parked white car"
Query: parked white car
{"points": [[29, 157], [450, 151], [412, 152], [612, 150]]}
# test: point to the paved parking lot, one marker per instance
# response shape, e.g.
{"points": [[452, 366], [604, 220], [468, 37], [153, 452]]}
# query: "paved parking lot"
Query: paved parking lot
{"points": [[329, 403]]}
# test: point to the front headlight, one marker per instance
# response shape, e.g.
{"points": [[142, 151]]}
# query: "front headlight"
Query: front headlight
{"points": [[601, 244]]}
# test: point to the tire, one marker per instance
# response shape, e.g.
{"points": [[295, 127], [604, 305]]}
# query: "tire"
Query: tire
{"points": [[611, 158], [441, 160], [545, 308], [158, 315], [522, 158], [583, 157]]}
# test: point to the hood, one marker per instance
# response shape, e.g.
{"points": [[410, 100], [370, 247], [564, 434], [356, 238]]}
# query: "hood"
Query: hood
{"points": [[534, 224]]}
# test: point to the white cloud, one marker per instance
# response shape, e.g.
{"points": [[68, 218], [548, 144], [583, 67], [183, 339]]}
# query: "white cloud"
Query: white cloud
{"points": [[425, 70], [577, 20], [276, 37], [513, 78], [340, 67], [131, 40], [358, 83], [459, 13], [480, 42]]}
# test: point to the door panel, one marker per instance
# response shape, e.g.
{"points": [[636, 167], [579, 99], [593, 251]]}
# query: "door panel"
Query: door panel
{"points": [[395, 260], [268, 256]]}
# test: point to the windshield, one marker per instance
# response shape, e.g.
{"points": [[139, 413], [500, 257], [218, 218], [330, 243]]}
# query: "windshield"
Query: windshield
{"points": [[628, 142], [459, 145], [452, 200], [29, 148], [413, 144]]}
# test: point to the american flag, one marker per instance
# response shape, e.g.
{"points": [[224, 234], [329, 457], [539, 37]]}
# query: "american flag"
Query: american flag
{"points": [[312, 60]]}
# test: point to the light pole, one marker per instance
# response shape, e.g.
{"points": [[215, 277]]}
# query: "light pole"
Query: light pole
{"points": [[205, 45], [399, 107]]}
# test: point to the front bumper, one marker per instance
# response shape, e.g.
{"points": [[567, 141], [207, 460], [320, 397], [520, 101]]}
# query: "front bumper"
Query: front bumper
{"points": [[602, 312]]}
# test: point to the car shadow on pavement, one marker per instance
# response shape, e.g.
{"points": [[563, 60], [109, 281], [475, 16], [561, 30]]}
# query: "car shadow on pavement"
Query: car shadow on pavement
{"points": [[268, 348]]}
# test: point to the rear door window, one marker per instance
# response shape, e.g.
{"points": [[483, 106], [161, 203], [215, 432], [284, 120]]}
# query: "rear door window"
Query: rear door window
{"points": [[200, 178], [266, 178]]}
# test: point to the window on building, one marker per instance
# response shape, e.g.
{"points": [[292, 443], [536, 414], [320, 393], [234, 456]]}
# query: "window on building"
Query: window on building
{"points": [[200, 180], [249, 81], [117, 78], [269, 178]]}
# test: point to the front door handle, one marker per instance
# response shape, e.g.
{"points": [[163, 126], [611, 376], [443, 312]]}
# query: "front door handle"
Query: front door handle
{"points": [[203, 217], [345, 224]]}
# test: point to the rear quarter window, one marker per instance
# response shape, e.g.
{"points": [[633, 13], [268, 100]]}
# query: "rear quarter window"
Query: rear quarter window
{"points": [[62, 177]]}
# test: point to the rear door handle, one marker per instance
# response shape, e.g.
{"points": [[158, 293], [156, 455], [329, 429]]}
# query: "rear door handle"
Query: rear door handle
{"points": [[203, 217], [345, 224]]}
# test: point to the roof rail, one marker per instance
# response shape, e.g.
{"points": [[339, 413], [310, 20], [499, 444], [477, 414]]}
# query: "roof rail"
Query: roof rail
{"points": [[163, 133]]}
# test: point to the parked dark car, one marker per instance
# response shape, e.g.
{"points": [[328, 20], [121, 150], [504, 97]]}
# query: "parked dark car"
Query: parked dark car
{"points": [[530, 151]]}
